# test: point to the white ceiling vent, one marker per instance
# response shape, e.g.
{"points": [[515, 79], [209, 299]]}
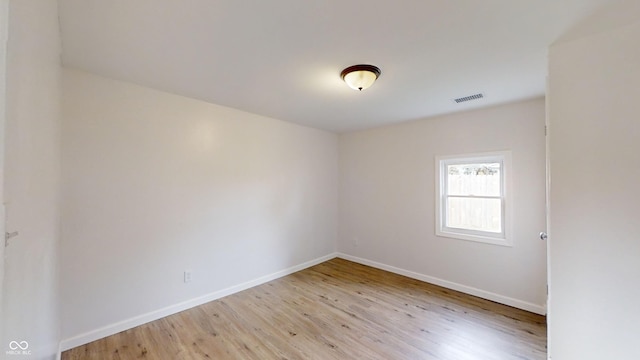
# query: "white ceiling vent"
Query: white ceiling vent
{"points": [[468, 98]]}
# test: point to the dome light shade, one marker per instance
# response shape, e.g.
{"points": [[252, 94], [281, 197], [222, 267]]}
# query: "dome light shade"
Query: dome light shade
{"points": [[360, 77]]}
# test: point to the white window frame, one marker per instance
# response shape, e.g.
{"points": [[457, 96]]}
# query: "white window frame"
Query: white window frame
{"points": [[503, 238]]}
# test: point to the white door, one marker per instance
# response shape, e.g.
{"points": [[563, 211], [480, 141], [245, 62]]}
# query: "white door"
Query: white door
{"points": [[544, 234], [4, 17]]}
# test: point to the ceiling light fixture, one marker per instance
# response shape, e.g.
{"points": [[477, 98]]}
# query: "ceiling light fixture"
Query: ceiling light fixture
{"points": [[360, 77]]}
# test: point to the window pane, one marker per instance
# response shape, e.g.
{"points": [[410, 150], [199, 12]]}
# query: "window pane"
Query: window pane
{"points": [[474, 214], [480, 179]]}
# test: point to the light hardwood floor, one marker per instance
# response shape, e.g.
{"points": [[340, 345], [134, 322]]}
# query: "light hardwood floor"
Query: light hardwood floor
{"points": [[335, 310]]}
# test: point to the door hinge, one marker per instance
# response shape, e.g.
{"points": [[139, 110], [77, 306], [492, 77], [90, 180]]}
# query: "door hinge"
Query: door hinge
{"points": [[8, 236]]}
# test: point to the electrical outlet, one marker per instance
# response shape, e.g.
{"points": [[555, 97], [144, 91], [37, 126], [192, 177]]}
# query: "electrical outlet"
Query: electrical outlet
{"points": [[355, 241], [187, 276]]}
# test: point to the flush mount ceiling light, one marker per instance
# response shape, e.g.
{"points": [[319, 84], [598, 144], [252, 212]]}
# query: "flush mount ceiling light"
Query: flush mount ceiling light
{"points": [[360, 77]]}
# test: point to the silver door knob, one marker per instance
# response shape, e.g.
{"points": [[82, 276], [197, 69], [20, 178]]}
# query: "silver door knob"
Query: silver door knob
{"points": [[543, 236]]}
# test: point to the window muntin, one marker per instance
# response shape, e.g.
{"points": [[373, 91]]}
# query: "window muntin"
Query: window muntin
{"points": [[472, 201]]}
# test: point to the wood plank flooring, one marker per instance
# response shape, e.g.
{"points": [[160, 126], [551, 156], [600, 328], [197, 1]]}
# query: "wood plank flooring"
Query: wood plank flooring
{"points": [[335, 310]]}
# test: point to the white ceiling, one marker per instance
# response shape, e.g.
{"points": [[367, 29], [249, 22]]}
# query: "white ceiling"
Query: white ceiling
{"points": [[282, 58]]}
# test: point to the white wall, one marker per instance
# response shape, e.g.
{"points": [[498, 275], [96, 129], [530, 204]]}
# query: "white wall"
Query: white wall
{"points": [[387, 203], [155, 184], [32, 171], [595, 200]]}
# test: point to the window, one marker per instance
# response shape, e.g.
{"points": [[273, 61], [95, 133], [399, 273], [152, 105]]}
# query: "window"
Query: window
{"points": [[472, 202]]}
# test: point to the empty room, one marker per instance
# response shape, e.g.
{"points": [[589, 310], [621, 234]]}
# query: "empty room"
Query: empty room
{"points": [[320, 180]]}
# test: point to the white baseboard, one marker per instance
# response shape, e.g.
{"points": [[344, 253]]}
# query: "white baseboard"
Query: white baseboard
{"points": [[524, 305], [123, 325]]}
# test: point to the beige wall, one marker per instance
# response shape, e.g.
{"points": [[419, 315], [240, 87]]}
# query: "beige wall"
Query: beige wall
{"points": [[387, 201], [155, 184]]}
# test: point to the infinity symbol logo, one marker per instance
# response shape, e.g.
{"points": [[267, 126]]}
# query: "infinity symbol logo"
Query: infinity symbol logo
{"points": [[22, 345]]}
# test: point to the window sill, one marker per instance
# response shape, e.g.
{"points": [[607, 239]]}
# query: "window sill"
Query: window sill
{"points": [[476, 238]]}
